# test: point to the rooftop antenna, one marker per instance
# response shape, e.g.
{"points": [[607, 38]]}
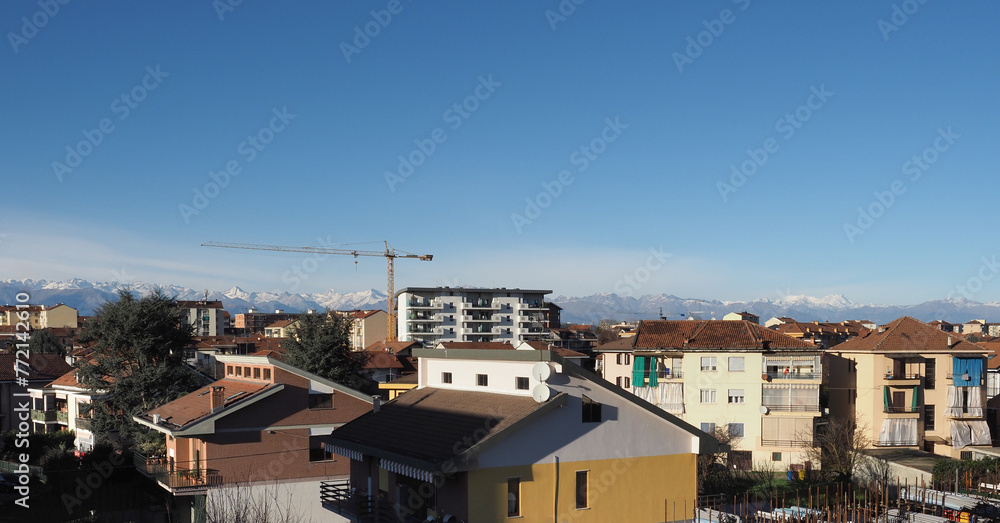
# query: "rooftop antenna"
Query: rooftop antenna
{"points": [[206, 294]]}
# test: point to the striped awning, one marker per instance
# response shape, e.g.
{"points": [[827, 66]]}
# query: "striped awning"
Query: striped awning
{"points": [[406, 470], [353, 454]]}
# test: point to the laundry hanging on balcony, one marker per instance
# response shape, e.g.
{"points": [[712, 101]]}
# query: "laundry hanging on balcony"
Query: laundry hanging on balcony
{"points": [[639, 371], [965, 433], [975, 409], [954, 407], [967, 372], [898, 432]]}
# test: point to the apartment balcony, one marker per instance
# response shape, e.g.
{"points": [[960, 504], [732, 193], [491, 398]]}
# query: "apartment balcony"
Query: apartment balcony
{"points": [[338, 497], [425, 304], [480, 330], [786, 443], [48, 416], [423, 318], [669, 375], [907, 409], [481, 318], [795, 375], [176, 481], [959, 413], [534, 306], [903, 379], [83, 423], [792, 408], [483, 305], [424, 330]]}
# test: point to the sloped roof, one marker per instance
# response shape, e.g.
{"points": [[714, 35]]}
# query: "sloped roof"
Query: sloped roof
{"points": [[478, 345], [907, 334], [433, 420], [183, 411], [40, 367], [394, 347], [712, 334], [623, 344], [382, 360], [280, 324]]}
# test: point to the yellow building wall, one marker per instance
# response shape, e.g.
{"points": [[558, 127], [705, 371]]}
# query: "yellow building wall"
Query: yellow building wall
{"points": [[636, 490]]}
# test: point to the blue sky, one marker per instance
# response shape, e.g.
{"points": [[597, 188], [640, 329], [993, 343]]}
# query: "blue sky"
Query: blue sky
{"points": [[532, 87]]}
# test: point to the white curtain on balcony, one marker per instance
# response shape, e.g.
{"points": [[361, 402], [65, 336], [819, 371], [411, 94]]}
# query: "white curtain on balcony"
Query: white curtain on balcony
{"points": [[975, 402], [898, 432], [672, 398], [954, 406], [965, 433]]}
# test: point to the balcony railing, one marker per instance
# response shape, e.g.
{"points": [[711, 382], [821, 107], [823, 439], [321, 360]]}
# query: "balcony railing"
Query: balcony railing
{"points": [[156, 468], [794, 375], [902, 376], [792, 408], [424, 304], [338, 497], [894, 444], [48, 415], [891, 409], [669, 375], [483, 304], [83, 423], [786, 443]]}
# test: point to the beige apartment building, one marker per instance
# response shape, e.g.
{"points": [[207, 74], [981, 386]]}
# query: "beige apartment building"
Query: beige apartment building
{"points": [[910, 384], [760, 386], [41, 316]]}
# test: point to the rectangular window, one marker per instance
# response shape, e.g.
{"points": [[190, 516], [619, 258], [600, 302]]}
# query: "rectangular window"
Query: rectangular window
{"points": [[321, 401], [445, 377], [708, 395], [246, 371], [628, 359], [513, 497], [582, 477], [618, 381], [708, 427], [239, 371], [317, 450], [267, 374], [618, 358], [591, 410], [708, 363], [522, 383], [930, 373], [775, 456], [256, 373], [628, 382], [229, 370], [736, 364], [736, 430], [482, 380], [736, 396], [928, 417]]}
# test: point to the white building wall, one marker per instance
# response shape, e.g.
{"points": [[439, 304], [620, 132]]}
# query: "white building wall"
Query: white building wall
{"points": [[290, 500]]}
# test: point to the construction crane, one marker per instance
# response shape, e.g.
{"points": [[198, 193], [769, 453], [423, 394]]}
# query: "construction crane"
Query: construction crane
{"points": [[390, 254]]}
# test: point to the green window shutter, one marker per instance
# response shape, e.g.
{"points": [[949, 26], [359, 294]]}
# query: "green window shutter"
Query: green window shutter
{"points": [[638, 371], [885, 397], [652, 372], [915, 391]]}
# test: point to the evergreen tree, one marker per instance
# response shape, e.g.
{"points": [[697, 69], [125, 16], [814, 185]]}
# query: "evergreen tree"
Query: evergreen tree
{"points": [[320, 344], [138, 360], [43, 341]]}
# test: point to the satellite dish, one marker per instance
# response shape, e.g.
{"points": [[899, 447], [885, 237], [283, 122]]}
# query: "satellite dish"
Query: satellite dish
{"points": [[541, 393], [541, 371], [763, 409]]}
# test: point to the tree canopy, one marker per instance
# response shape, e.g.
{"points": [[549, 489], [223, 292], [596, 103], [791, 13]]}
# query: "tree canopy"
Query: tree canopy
{"points": [[138, 360], [320, 344], [43, 341]]}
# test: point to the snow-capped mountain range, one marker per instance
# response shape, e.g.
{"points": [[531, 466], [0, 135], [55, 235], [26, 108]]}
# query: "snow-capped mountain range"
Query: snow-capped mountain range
{"points": [[87, 296]]}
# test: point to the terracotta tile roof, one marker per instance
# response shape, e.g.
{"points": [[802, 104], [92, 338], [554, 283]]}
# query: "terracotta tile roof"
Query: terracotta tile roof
{"points": [[358, 314], [712, 334], [394, 347], [382, 360], [478, 345], [994, 355], [580, 327], [433, 420], [280, 324], [41, 367], [566, 353], [907, 334], [196, 405]]}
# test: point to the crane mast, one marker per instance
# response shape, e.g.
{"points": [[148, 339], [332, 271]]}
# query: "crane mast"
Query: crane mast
{"points": [[390, 254]]}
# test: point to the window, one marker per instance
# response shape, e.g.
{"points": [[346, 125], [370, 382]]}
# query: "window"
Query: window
{"points": [[256, 373], [775, 456], [582, 477], [618, 381], [736, 364], [708, 395], [239, 371], [246, 371], [482, 380], [928, 417], [317, 450], [628, 382], [736, 396], [229, 370], [618, 358], [628, 359], [736, 430], [445, 377], [513, 497], [267, 374], [708, 427], [522, 383], [321, 401], [708, 363], [591, 411], [930, 366]]}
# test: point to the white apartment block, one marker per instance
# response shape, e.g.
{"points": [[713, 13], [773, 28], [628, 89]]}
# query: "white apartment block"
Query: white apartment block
{"points": [[206, 316], [760, 386], [432, 314]]}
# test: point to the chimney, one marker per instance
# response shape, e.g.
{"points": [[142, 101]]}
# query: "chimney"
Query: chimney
{"points": [[376, 403], [156, 419], [218, 398], [949, 342]]}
